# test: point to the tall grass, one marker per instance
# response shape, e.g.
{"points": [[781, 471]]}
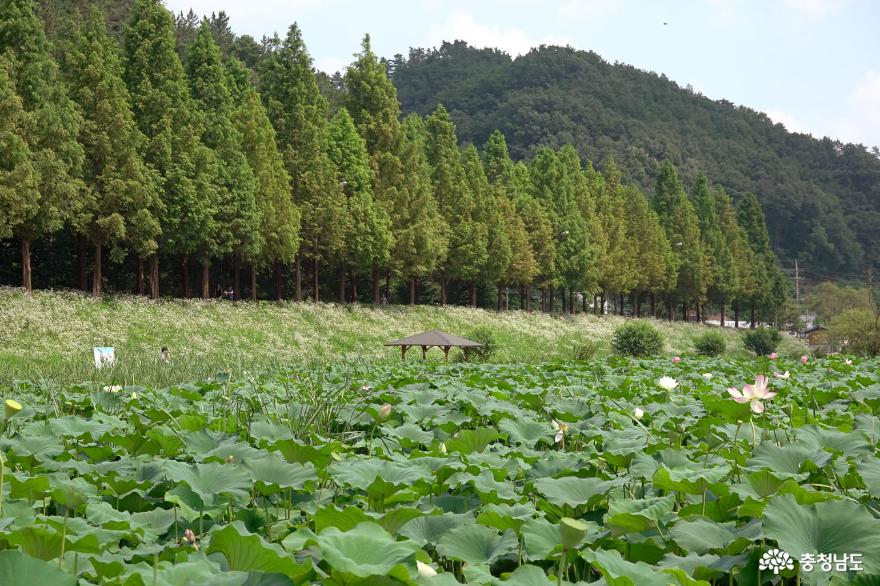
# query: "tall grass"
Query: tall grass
{"points": [[48, 336]]}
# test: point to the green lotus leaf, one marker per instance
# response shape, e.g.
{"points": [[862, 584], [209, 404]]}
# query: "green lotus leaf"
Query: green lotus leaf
{"points": [[468, 441], [526, 431], [476, 544], [19, 569], [572, 491], [37, 541], [786, 461], [431, 528], [690, 479], [700, 535], [211, 481], [628, 516], [620, 572], [272, 473], [833, 527], [366, 550], [528, 575], [870, 472], [247, 552]]}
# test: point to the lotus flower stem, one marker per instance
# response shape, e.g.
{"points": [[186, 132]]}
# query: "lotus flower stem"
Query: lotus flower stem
{"points": [[2, 470], [63, 536]]}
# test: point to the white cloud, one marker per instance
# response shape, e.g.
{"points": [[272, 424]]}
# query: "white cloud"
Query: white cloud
{"points": [[861, 123], [791, 123], [460, 25], [815, 9], [331, 65]]}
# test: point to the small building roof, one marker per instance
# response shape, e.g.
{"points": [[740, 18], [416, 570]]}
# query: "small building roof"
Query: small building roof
{"points": [[435, 338]]}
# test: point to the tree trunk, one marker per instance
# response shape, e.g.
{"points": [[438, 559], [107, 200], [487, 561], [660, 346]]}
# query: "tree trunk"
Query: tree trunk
{"points": [[699, 312], [388, 286], [571, 301], [442, 287], [602, 304], [584, 302], [354, 286], [317, 294], [412, 291], [342, 284], [376, 286], [253, 282], [472, 288], [81, 262], [684, 311], [184, 276], [736, 314], [206, 281], [276, 277], [499, 298], [653, 305], [669, 309], [141, 285], [622, 302], [236, 276], [298, 292], [753, 323], [26, 264], [637, 302], [722, 314], [97, 276], [154, 276]]}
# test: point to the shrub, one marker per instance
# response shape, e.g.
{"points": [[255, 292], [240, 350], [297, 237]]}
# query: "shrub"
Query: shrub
{"points": [[486, 337], [762, 341], [585, 350], [710, 344], [638, 339]]}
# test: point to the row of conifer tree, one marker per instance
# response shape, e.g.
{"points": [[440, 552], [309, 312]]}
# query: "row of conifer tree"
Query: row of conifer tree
{"points": [[146, 156]]}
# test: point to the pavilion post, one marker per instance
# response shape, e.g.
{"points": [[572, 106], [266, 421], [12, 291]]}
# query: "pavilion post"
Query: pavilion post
{"points": [[403, 352], [424, 349]]}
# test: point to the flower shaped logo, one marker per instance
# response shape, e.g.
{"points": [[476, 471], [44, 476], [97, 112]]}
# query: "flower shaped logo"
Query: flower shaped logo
{"points": [[776, 560]]}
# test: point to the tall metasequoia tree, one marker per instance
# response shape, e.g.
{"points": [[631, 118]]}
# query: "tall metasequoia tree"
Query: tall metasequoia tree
{"points": [[468, 236], [736, 279], [650, 251], [367, 226], [422, 237], [371, 99], [768, 289], [48, 122], [678, 218], [279, 216], [168, 117], [299, 112], [488, 214], [123, 192], [237, 217]]}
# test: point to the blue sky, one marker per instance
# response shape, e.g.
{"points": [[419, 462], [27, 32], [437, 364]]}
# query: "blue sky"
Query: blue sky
{"points": [[813, 65]]}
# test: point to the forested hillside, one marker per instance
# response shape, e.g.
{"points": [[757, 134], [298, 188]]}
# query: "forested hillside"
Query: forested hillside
{"points": [[822, 198]]}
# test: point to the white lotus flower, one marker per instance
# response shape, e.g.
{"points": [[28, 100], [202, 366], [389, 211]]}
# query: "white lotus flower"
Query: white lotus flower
{"points": [[782, 375], [112, 389], [848, 362], [753, 394], [707, 375], [443, 448], [425, 570], [667, 382], [638, 413], [560, 429]]}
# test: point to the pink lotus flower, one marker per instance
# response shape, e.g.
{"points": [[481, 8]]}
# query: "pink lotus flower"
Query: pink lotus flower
{"points": [[753, 394], [676, 359], [774, 356], [384, 410], [805, 359]]}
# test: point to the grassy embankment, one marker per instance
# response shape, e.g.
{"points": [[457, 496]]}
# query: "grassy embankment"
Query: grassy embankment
{"points": [[50, 335]]}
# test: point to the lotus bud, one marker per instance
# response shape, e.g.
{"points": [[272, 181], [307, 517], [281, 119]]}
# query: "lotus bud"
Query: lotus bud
{"points": [[385, 410], [425, 570], [638, 413], [805, 359], [12, 407], [366, 389], [774, 356], [681, 427], [134, 395], [676, 359], [189, 536], [571, 531], [443, 448], [230, 459]]}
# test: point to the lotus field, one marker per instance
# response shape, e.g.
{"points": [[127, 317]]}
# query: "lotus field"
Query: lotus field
{"points": [[617, 472]]}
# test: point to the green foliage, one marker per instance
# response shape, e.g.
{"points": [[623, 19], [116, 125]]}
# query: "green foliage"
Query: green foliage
{"points": [[486, 337], [678, 218], [829, 299], [820, 195], [639, 339], [762, 341], [857, 331], [710, 344], [585, 350]]}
